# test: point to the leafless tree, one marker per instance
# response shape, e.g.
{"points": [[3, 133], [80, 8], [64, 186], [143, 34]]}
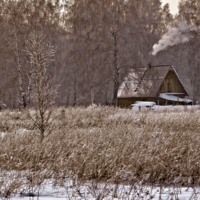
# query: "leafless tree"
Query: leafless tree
{"points": [[41, 53]]}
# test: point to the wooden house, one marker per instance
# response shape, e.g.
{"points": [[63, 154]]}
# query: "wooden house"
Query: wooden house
{"points": [[160, 84]]}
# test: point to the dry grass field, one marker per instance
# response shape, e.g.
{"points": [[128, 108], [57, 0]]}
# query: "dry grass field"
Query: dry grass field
{"points": [[102, 145]]}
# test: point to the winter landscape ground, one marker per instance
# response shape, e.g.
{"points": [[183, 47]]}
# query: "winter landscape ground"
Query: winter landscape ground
{"points": [[102, 153]]}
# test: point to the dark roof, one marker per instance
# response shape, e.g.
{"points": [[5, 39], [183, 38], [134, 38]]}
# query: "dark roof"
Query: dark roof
{"points": [[145, 83]]}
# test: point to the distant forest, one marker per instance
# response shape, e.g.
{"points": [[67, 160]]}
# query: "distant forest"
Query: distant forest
{"points": [[96, 43]]}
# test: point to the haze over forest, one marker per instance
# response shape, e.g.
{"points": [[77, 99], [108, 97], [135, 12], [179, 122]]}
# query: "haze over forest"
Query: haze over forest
{"points": [[94, 45]]}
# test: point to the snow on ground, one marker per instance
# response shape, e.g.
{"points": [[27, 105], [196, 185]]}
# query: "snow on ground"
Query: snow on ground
{"points": [[168, 108], [18, 132], [197, 107], [87, 192], [2, 134], [22, 131]]}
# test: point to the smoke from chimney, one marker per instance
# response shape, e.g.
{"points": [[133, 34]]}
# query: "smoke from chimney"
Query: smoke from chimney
{"points": [[174, 36]]}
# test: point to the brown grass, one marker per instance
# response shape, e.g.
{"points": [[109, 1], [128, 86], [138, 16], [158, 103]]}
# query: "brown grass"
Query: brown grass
{"points": [[105, 144]]}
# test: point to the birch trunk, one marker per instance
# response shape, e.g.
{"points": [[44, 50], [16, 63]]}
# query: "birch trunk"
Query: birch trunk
{"points": [[22, 103], [116, 72]]}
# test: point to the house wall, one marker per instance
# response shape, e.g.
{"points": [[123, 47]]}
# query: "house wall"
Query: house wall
{"points": [[171, 84]]}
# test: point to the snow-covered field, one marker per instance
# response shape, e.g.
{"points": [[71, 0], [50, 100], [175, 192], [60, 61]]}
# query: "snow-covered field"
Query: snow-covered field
{"points": [[157, 147], [169, 108], [103, 191]]}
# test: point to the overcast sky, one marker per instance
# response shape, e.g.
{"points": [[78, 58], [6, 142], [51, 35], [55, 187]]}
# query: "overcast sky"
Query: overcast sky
{"points": [[173, 5]]}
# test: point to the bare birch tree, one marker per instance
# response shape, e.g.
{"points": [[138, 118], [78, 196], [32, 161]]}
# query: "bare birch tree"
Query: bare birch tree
{"points": [[14, 44], [41, 53]]}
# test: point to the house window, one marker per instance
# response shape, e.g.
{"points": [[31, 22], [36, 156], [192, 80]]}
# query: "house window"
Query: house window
{"points": [[169, 87]]}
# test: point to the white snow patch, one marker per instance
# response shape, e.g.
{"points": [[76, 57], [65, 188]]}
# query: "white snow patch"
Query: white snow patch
{"points": [[2, 134], [71, 189], [22, 131], [83, 192], [170, 107]]}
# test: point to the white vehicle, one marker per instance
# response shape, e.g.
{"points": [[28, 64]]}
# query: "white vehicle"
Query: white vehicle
{"points": [[146, 104]]}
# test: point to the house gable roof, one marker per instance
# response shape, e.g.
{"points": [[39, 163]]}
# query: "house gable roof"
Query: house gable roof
{"points": [[145, 83]]}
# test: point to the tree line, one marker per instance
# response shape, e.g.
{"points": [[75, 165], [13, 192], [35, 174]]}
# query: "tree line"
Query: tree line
{"points": [[96, 44]]}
